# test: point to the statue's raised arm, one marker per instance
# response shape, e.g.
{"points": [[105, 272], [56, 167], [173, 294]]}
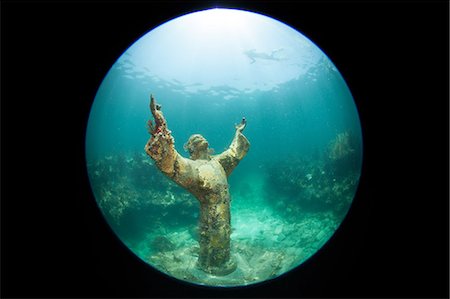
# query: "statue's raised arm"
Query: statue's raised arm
{"points": [[161, 148], [239, 147]]}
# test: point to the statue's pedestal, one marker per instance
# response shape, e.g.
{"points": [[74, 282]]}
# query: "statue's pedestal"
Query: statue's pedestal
{"points": [[223, 270]]}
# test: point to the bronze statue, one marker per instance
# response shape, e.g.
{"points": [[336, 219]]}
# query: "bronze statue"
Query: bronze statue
{"points": [[204, 176]]}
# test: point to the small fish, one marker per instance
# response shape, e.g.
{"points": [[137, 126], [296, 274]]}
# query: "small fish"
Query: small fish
{"points": [[309, 176]]}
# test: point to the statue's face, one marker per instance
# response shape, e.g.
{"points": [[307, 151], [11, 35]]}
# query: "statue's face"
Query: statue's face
{"points": [[200, 145], [197, 144]]}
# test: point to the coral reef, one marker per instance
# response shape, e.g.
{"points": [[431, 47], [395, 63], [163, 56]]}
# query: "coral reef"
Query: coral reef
{"points": [[324, 181], [128, 188]]}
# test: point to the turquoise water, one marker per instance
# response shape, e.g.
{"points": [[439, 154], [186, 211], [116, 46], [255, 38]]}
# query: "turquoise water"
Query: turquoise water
{"points": [[294, 187]]}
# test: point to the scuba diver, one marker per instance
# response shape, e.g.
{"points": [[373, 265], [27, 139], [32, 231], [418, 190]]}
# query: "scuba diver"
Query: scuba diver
{"points": [[206, 177], [253, 55]]}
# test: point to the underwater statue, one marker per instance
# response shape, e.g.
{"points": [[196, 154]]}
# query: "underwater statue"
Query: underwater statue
{"points": [[204, 176]]}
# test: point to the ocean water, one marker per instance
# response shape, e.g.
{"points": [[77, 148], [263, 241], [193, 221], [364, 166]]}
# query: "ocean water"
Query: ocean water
{"points": [[292, 190]]}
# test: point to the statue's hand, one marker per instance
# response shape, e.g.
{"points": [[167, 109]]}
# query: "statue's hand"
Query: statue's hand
{"points": [[160, 122], [240, 127], [154, 106]]}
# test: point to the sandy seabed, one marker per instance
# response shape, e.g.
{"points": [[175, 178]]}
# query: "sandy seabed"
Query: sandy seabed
{"points": [[264, 246]]}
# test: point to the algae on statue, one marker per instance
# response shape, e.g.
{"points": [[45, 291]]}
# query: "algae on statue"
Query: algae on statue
{"points": [[204, 176]]}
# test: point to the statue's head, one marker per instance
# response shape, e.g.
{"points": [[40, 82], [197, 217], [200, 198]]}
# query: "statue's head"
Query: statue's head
{"points": [[197, 146]]}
